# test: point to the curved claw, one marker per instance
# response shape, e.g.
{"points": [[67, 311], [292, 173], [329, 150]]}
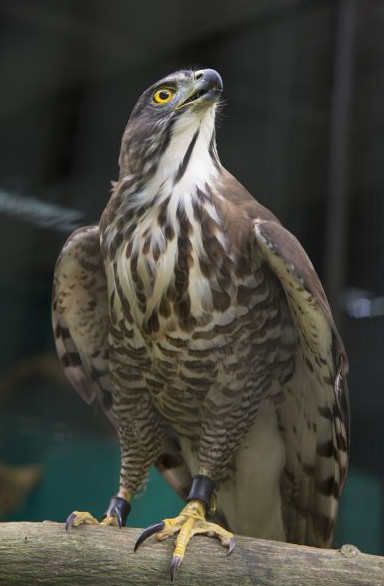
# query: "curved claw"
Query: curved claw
{"points": [[77, 518], [231, 545], [70, 519], [175, 563], [148, 532]]}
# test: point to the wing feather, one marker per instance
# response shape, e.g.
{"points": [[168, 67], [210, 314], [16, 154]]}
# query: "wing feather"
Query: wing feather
{"points": [[80, 315], [314, 417]]}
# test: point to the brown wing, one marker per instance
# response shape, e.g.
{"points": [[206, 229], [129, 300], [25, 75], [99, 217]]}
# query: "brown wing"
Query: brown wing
{"points": [[314, 416], [80, 316]]}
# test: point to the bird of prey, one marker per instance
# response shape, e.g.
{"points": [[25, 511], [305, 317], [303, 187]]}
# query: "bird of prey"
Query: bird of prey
{"points": [[199, 324]]}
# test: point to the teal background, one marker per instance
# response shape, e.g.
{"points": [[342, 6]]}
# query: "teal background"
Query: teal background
{"points": [[82, 475], [75, 446]]}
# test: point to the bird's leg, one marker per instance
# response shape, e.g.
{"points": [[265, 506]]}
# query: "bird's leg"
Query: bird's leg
{"points": [[191, 521], [116, 514], [215, 456], [133, 473], [141, 443], [118, 511]]}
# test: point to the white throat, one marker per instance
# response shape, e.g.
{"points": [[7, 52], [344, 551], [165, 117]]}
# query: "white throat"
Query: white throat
{"points": [[177, 196], [201, 168]]}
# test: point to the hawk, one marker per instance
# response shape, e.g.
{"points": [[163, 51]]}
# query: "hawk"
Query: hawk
{"points": [[198, 323]]}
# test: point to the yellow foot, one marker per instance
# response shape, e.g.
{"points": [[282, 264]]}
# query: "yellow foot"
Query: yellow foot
{"points": [[84, 518], [110, 520], [116, 515], [190, 522], [80, 518]]}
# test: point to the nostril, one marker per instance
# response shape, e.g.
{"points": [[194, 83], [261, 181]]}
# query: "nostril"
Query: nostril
{"points": [[198, 74]]}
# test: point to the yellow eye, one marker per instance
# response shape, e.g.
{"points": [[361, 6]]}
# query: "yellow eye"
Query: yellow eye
{"points": [[163, 95]]}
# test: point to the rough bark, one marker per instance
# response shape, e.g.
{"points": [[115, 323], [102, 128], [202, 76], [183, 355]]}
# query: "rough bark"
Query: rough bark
{"points": [[43, 553]]}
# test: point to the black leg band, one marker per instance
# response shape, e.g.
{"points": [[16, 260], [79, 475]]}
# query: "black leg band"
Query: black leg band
{"points": [[119, 508], [201, 489]]}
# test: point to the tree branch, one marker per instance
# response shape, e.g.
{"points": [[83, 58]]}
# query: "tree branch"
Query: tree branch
{"points": [[43, 553]]}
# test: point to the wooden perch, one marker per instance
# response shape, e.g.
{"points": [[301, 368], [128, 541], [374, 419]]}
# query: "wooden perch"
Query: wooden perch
{"points": [[43, 553]]}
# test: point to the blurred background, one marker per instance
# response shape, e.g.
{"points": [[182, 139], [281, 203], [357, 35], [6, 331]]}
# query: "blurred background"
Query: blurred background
{"points": [[302, 128]]}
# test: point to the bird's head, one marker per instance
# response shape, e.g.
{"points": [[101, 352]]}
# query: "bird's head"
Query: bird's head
{"points": [[170, 111]]}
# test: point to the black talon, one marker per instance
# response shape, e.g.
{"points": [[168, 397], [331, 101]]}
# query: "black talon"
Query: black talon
{"points": [[175, 563], [148, 532], [68, 522], [119, 508], [231, 546]]}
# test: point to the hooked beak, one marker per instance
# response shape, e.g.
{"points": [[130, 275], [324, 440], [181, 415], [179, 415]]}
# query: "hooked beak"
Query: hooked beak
{"points": [[208, 86]]}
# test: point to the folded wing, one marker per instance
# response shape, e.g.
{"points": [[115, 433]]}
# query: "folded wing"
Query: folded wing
{"points": [[314, 413]]}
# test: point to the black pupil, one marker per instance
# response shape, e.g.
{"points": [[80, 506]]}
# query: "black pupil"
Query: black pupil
{"points": [[163, 95]]}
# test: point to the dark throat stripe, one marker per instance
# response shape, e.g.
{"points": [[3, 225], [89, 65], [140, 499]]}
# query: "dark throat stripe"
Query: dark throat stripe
{"points": [[212, 150], [184, 164]]}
